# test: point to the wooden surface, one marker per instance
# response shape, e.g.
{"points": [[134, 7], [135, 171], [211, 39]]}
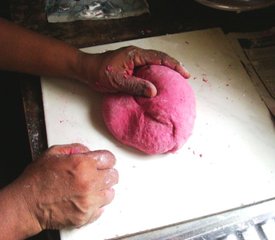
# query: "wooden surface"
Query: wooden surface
{"points": [[165, 17]]}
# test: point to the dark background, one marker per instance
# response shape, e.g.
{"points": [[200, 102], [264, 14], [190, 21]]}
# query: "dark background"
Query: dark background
{"points": [[16, 154], [15, 147]]}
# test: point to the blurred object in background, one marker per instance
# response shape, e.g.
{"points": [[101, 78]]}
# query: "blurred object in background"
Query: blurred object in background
{"points": [[237, 5], [256, 51], [73, 10]]}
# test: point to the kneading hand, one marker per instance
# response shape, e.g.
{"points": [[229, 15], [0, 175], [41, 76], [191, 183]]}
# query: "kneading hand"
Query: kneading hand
{"points": [[113, 70], [68, 186]]}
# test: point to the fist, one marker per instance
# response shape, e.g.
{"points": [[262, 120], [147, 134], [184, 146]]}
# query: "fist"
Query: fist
{"points": [[68, 186]]}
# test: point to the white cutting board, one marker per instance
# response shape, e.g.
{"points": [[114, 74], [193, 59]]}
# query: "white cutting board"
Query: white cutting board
{"points": [[228, 162]]}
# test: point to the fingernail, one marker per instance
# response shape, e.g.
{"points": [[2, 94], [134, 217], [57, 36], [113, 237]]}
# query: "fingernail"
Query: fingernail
{"points": [[150, 91], [104, 158], [187, 75]]}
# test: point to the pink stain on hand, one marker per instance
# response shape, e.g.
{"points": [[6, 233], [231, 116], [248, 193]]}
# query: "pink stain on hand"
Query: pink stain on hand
{"points": [[129, 72], [75, 150], [109, 68]]}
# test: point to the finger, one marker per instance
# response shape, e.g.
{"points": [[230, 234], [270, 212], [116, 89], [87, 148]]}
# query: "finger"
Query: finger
{"points": [[136, 86], [107, 196], [109, 177], [104, 159], [182, 71], [103, 197], [149, 57], [69, 149], [95, 215]]}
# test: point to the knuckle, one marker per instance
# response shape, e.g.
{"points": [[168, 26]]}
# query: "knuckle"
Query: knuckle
{"points": [[76, 162], [104, 156], [82, 173], [77, 145], [84, 183], [104, 153], [53, 148], [131, 47], [132, 50]]}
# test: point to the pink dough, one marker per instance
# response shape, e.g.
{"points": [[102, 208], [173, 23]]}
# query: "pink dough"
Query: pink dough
{"points": [[153, 125]]}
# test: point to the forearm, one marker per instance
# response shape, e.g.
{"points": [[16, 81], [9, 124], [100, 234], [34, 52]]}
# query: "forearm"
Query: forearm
{"points": [[25, 51], [15, 219]]}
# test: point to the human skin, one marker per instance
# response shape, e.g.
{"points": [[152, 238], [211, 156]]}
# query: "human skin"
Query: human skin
{"points": [[75, 194], [29, 52], [68, 186], [116, 68]]}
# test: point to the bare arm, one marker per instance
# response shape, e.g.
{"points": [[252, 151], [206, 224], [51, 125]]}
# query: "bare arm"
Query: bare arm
{"points": [[29, 52], [16, 222], [25, 51]]}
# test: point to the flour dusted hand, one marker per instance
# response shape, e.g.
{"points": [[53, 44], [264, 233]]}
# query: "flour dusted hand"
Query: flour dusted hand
{"points": [[68, 186], [114, 71]]}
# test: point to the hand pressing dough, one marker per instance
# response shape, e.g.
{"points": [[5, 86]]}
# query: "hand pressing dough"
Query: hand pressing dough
{"points": [[153, 125]]}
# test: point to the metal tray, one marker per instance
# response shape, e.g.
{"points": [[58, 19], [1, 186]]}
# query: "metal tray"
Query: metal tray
{"points": [[237, 5]]}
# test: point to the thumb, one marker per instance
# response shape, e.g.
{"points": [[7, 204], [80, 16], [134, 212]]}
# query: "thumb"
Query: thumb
{"points": [[138, 86], [68, 149]]}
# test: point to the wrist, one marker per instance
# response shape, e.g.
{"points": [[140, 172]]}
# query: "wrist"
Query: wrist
{"points": [[17, 222], [87, 68]]}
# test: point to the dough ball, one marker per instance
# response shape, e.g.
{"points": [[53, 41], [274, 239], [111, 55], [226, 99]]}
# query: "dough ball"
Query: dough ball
{"points": [[153, 125]]}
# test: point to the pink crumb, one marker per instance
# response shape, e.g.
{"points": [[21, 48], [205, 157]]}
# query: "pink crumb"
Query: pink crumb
{"points": [[205, 80]]}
